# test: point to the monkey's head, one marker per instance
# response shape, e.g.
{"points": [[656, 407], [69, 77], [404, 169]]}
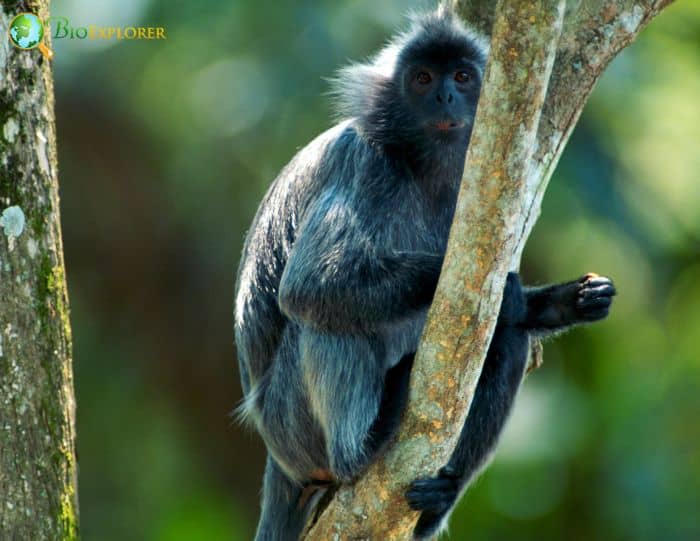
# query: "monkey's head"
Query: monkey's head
{"points": [[422, 88]]}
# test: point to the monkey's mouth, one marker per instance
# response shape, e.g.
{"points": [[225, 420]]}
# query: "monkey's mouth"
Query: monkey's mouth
{"points": [[447, 125]]}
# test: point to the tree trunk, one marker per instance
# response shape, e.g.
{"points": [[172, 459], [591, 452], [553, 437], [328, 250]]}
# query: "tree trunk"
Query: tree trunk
{"points": [[38, 498], [529, 104]]}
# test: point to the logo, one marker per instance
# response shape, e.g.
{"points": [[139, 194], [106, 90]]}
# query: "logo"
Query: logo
{"points": [[27, 32], [62, 29]]}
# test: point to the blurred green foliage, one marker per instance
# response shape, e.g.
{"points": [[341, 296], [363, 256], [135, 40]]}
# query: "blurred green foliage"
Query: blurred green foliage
{"points": [[166, 148]]}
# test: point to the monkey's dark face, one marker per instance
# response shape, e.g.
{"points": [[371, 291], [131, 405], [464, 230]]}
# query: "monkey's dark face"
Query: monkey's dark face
{"points": [[419, 94], [442, 94]]}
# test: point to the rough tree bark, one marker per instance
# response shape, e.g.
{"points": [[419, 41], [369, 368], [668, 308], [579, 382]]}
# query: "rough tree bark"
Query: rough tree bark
{"points": [[545, 59], [38, 498]]}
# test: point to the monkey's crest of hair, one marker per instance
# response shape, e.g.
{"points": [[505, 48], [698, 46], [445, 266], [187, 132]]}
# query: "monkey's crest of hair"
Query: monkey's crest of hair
{"points": [[360, 90]]}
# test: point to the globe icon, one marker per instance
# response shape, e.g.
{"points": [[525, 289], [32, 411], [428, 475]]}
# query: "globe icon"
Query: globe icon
{"points": [[26, 31]]}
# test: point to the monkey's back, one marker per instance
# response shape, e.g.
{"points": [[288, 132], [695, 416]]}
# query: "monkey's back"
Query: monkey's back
{"points": [[259, 324]]}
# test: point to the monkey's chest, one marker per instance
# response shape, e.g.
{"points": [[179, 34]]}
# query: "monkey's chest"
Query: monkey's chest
{"points": [[414, 230], [410, 229]]}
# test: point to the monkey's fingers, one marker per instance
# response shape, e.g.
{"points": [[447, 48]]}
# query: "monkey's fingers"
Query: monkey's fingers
{"points": [[594, 308], [435, 495], [591, 280], [590, 290]]}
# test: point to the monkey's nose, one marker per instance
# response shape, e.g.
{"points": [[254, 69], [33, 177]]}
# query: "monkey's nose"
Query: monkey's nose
{"points": [[440, 98]]}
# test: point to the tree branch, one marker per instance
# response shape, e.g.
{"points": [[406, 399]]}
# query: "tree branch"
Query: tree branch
{"points": [[527, 110]]}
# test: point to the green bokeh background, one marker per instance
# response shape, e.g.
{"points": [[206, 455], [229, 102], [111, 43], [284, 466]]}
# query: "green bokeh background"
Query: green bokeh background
{"points": [[166, 148]]}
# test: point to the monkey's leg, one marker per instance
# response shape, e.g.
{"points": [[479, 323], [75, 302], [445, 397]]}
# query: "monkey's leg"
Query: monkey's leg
{"points": [[552, 309], [283, 514], [498, 384], [344, 378], [394, 398]]}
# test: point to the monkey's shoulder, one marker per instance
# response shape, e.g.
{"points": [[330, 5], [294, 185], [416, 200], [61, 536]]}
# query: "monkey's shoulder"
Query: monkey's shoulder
{"points": [[341, 157], [307, 175]]}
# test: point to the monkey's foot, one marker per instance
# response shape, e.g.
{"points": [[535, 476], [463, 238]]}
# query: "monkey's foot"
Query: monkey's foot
{"points": [[594, 297], [434, 497]]}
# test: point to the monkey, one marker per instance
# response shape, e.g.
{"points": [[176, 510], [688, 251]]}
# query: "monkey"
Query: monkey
{"points": [[339, 268]]}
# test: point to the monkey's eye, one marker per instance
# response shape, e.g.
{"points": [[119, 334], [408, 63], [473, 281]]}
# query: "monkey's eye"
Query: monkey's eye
{"points": [[462, 76], [423, 77]]}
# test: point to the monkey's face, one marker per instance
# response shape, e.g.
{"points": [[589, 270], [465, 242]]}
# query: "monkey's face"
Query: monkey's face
{"points": [[442, 94]]}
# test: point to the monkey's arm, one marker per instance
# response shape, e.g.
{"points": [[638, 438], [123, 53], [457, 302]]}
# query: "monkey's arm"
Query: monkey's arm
{"points": [[337, 278]]}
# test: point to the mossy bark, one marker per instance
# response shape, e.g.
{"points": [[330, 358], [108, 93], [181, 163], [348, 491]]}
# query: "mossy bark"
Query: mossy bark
{"points": [[545, 59], [38, 498]]}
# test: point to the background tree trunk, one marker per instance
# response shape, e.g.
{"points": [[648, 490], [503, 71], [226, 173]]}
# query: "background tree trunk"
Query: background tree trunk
{"points": [[528, 108], [38, 498]]}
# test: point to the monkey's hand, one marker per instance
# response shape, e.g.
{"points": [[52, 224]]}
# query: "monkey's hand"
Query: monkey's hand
{"points": [[553, 309], [434, 497], [593, 297]]}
